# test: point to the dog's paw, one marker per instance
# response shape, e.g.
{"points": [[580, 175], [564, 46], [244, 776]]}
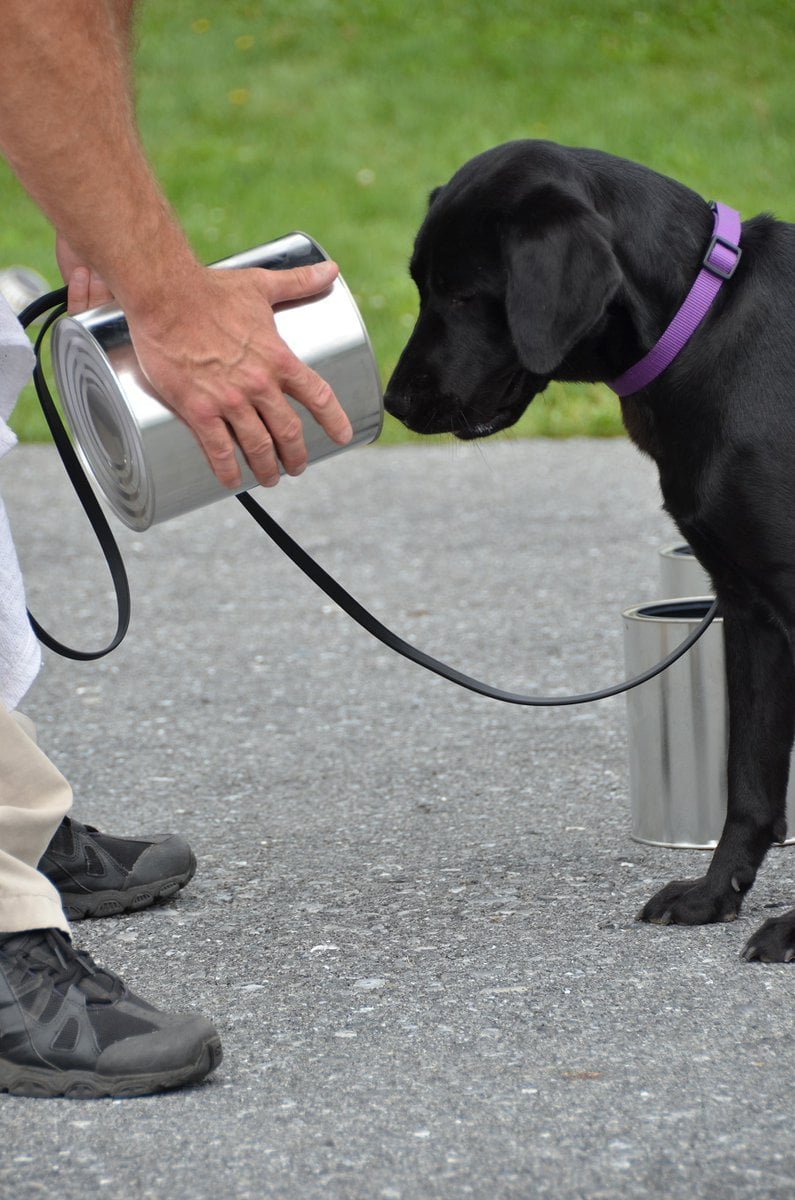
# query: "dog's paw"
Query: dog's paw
{"points": [[691, 902], [773, 942]]}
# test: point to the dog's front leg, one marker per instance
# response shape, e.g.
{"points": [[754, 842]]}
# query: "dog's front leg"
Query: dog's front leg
{"points": [[761, 682]]}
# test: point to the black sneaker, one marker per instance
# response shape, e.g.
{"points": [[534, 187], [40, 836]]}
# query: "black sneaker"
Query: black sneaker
{"points": [[70, 1028], [101, 876]]}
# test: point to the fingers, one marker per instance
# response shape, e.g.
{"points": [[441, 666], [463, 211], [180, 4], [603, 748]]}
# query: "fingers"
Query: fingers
{"points": [[298, 283], [307, 387], [268, 431], [98, 291], [216, 442], [293, 376], [86, 290], [267, 435], [222, 442], [77, 295]]}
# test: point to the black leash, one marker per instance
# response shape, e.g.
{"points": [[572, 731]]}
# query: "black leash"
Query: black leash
{"points": [[363, 617], [55, 301]]}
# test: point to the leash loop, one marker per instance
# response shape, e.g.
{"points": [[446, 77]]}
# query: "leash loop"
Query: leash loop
{"points": [[54, 303]]}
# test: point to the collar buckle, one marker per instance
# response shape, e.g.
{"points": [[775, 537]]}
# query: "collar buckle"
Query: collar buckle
{"points": [[727, 255]]}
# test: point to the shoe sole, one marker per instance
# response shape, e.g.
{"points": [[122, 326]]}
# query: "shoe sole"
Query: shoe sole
{"points": [[19, 1080], [109, 903]]}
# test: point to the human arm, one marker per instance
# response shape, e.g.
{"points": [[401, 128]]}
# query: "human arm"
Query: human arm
{"points": [[85, 287], [206, 339]]}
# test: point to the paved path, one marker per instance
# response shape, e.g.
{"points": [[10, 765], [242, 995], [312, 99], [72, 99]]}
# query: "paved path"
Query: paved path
{"points": [[413, 916]]}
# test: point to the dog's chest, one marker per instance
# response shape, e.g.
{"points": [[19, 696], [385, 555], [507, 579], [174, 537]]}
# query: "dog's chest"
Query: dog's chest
{"points": [[641, 426]]}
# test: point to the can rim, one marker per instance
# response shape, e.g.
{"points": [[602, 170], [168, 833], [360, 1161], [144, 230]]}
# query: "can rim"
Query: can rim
{"points": [[682, 609], [677, 550]]}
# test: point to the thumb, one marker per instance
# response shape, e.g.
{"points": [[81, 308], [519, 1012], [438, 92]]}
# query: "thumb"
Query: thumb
{"points": [[297, 283]]}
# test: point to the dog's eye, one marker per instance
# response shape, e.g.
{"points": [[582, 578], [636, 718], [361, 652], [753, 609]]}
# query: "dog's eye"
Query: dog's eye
{"points": [[462, 298]]}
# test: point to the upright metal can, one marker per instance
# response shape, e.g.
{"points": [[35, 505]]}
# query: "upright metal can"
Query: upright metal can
{"points": [[678, 728], [681, 574]]}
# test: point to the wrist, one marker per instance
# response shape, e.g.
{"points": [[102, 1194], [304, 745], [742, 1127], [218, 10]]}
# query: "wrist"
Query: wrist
{"points": [[158, 268]]}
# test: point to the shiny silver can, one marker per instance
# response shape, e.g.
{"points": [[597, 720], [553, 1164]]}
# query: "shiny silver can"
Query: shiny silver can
{"points": [[144, 458], [678, 728], [681, 574]]}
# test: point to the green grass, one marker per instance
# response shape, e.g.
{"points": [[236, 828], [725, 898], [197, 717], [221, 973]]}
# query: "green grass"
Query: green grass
{"points": [[339, 117]]}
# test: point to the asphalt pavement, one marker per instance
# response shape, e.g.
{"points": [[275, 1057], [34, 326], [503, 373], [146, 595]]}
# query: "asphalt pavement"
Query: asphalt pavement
{"points": [[413, 920]]}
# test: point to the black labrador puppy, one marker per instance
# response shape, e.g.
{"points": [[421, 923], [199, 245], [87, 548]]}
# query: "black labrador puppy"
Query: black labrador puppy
{"points": [[539, 262]]}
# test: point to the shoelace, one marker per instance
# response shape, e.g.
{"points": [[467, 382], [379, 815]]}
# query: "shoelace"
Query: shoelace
{"points": [[66, 965]]}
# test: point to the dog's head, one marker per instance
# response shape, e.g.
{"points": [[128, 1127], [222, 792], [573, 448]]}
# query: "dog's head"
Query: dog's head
{"points": [[515, 270]]}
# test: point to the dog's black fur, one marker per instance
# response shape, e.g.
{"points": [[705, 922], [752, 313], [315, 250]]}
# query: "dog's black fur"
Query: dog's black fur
{"points": [[539, 262]]}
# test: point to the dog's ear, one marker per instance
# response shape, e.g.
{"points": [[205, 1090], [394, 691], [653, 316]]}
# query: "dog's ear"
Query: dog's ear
{"points": [[561, 277]]}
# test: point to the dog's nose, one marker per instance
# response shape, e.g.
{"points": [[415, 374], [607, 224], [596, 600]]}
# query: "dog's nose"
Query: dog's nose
{"points": [[396, 403]]}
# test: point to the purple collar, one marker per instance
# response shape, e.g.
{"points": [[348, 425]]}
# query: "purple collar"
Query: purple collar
{"points": [[719, 263]]}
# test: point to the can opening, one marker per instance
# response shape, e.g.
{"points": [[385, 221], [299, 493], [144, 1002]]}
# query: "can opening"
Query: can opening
{"points": [[676, 610]]}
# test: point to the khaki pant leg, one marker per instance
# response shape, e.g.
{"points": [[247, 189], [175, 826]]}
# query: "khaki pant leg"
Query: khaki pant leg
{"points": [[34, 797]]}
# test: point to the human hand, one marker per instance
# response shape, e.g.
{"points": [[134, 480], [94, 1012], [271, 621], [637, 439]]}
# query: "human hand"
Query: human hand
{"points": [[86, 288], [214, 356]]}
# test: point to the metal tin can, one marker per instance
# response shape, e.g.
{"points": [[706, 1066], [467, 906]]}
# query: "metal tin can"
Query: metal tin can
{"points": [[143, 457], [681, 574], [678, 728]]}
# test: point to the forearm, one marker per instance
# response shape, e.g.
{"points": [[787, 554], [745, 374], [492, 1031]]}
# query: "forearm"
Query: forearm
{"points": [[123, 13], [206, 340], [68, 130]]}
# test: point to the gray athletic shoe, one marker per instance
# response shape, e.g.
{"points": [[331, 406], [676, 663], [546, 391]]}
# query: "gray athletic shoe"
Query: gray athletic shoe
{"points": [[99, 875], [71, 1028]]}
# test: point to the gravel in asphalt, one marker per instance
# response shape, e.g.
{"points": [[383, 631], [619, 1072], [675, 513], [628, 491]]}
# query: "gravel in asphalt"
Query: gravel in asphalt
{"points": [[413, 918]]}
